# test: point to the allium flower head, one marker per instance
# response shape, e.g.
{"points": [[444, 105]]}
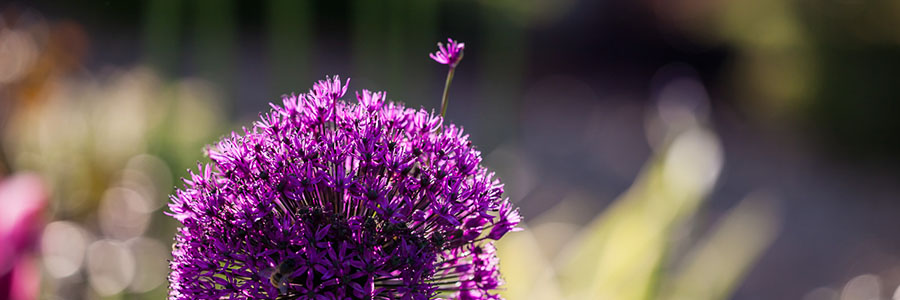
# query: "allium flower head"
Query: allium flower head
{"points": [[450, 54], [327, 199]]}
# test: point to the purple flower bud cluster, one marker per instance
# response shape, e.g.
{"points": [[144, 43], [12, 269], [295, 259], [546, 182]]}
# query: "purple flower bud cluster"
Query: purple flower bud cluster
{"points": [[326, 199]]}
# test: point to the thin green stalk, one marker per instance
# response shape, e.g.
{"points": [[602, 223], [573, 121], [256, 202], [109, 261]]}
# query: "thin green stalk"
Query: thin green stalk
{"points": [[446, 91]]}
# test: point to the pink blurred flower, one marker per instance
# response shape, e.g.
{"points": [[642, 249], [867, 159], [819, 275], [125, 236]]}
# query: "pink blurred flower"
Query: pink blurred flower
{"points": [[22, 198]]}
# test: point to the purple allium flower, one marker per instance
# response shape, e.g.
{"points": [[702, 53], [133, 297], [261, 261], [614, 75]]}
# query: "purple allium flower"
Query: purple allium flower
{"points": [[326, 199], [450, 54]]}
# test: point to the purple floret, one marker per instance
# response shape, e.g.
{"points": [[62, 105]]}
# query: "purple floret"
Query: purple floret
{"points": [[449, 54], [325, 199]]}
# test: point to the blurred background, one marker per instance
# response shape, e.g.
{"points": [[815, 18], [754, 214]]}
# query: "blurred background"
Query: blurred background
{"points": [[658, 149]]}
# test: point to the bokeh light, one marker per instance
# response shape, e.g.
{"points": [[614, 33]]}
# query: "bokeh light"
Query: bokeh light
{"points": [[63, 246]]}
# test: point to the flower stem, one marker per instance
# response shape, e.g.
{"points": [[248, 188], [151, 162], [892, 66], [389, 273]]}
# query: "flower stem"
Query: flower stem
{"points": [[446, 90]]}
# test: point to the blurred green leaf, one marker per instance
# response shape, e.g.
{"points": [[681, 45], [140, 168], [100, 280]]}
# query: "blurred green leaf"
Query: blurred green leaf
{"points": [[714, 267], [620, 253]]}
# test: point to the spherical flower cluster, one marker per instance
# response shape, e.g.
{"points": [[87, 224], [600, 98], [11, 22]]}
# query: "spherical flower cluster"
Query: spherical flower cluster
{"points": [[327, 199]]}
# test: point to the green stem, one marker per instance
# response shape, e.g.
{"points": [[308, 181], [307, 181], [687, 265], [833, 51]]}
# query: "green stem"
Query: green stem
{"points": [[446, 91]]}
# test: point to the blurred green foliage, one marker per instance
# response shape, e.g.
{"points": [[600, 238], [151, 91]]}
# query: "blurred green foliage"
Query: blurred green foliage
{"points": [[636, 249]]}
